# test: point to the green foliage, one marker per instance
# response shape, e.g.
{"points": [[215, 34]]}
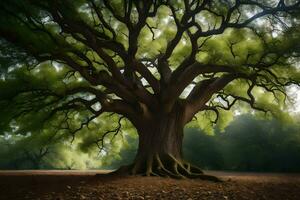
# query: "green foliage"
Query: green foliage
{"points": [[202, 150], [247, 144], [126, 154], [32, 86], [247, 45], [259, 145], [27, 152]]}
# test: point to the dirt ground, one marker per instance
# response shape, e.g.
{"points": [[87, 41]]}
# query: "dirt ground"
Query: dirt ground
{"points": [[68, 185]]}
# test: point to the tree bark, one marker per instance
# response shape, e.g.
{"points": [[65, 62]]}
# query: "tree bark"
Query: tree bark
{"points": [[160, 149], [160, 143]]}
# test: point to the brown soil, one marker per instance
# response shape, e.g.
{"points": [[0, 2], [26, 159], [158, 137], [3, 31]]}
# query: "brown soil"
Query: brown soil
{"points": [[67, 185]]}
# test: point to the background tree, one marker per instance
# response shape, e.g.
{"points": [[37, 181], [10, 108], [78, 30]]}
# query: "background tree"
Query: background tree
{"points": [[24, 151], [154, 63], [264, 145], [45, 151]]}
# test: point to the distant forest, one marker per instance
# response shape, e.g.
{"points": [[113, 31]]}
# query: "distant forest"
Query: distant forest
{"points": [[247, 144]]}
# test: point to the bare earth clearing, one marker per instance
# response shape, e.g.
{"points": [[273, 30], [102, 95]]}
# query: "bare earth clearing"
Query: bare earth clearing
{"points": [[67, 185]]}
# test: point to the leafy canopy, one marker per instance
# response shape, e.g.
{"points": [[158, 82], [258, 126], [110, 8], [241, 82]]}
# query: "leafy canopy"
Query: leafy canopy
{"points": [[72, 64]]}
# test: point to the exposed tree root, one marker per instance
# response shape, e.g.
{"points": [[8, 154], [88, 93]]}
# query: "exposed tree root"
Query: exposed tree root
{"points": [[165, 166]]}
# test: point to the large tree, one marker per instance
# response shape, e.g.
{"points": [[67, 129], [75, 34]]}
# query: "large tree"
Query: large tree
{"points": [[156, 63]]}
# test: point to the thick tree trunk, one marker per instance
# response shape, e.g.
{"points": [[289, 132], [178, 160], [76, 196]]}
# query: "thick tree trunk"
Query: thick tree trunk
{"points": [[160, 149], [160, 143]]}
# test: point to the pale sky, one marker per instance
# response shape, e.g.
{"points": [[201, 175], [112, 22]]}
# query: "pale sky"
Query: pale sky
{"points": [[294, 93]]}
